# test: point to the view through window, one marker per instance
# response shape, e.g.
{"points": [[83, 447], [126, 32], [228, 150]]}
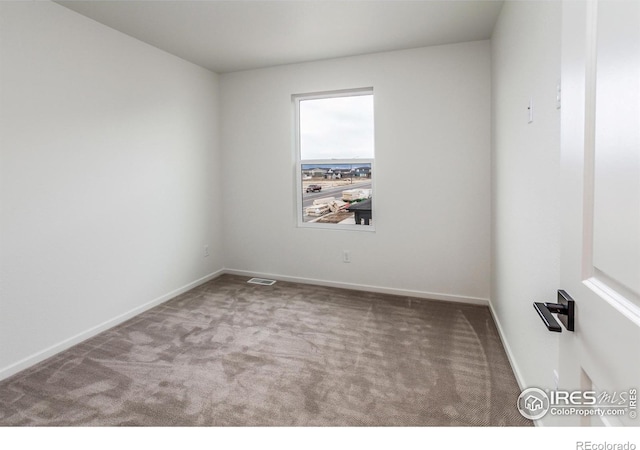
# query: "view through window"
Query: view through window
{"points": [[335, 159]]}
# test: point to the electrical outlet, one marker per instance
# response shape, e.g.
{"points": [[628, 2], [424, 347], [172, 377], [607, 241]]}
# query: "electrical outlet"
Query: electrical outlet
{"points": [[206, 251], [346, 256]]}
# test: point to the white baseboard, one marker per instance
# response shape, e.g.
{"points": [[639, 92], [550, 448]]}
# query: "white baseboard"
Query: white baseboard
{"points": [[76, 339], [512, 361], [507, 349], [364, 287], [73, 340]]}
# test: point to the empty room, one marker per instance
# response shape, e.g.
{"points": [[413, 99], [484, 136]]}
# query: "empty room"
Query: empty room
{"points": [[319, 213]]}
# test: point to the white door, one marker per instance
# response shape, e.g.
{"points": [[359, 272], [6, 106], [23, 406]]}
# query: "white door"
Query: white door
{"points": [[600, 262]]}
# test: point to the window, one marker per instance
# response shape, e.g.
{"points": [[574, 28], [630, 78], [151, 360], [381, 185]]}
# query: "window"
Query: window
{"points": [[335, 159]]}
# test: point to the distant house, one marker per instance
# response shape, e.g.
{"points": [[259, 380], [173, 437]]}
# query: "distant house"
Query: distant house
{"points": [[336, 174], [316, 173], [362, 172]]}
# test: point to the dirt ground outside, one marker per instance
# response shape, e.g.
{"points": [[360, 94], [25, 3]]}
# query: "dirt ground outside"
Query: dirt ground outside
{"points": [[334, 217], [348, 183], [335, 183]]}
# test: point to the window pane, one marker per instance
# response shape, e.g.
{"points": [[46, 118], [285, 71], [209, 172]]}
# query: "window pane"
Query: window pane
{"points": [[336, 128], [336, 193]]}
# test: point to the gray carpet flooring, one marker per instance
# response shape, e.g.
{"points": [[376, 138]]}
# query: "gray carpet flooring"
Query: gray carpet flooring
{"points": [[230, 353]]}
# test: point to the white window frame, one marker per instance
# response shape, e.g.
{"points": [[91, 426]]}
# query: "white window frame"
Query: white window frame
{"points": [[297, 98]]}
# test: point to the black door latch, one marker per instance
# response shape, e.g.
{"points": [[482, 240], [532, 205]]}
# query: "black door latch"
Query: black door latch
{"points": [[565, 308]]}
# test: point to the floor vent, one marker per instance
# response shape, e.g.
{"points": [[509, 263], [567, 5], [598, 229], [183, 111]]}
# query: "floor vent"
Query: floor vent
{"points": [[261, 281]]}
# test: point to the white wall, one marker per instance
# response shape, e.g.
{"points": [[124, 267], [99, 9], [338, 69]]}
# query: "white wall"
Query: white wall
{"points": [[525, 171], [432, 198], [109, 175]]}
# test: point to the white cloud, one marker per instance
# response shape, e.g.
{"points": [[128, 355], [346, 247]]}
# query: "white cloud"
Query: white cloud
{"points": [[337, 128]]}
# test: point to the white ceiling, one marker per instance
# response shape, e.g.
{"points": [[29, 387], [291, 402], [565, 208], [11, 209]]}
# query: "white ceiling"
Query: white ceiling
{"points": [[227, 36]]}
